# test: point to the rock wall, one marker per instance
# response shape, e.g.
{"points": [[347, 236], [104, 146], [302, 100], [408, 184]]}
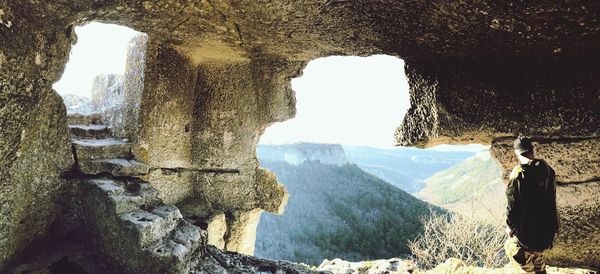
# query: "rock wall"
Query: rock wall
{"points": [[31, 183], [201, 121], [34, 147], [477, 101], [118, 97], [577, 165], [552, 100], [107, 94]]}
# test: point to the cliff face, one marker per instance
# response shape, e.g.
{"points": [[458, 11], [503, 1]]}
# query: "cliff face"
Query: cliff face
{"points": [[296, 154], [217, 73]]}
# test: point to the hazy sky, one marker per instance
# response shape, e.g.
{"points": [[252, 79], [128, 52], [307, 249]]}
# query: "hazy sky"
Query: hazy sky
{"points": [[345, 100], [100, 49]]}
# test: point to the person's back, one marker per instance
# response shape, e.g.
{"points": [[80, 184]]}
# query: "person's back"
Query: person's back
{"points": [[531, 208]]}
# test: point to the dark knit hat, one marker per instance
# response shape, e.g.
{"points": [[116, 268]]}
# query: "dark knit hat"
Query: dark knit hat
{"points": [[522, 145]]}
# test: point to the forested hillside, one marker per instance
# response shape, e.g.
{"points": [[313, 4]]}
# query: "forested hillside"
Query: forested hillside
{"points": [[336, 211], [403, 167], [473, 186]]}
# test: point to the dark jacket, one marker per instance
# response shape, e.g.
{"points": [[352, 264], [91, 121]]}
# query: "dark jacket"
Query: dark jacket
{"points": [[531, 207]]}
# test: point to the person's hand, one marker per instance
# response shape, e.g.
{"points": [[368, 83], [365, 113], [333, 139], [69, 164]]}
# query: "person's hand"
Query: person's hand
{"points": [[509, 231]]}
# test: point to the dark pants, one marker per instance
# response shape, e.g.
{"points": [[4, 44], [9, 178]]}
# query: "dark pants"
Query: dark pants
{"points": [[530, 261]]}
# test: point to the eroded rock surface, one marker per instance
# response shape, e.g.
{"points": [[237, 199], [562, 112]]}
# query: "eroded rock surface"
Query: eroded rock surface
{"points": [[121, 220], [201, 121], [392, 266], [30, 180], [478, 101], [217, 73], [453, 265], [576, 162], [118, 97]]}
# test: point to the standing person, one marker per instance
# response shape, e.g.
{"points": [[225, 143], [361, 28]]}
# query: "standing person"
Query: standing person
{"points": [[532, 219]]}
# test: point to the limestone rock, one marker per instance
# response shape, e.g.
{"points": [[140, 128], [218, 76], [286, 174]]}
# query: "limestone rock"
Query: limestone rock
{"points": [[30, 170], [241, 231], [392, 266], [217, 73], [217, 260], [94, 149], [295, 154], [306, 29], [115, 167], [216, 229], [34, 146], [192, 135], [125, 123], [573, 160], [471, 102], [453, 265], [137, 230], [89, 131], [77, 104], [579, 216], [107, 91], [118, 97], [84, 119]]}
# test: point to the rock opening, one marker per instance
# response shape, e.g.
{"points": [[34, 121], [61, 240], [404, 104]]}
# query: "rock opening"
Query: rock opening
{"points": [[224, 69]]}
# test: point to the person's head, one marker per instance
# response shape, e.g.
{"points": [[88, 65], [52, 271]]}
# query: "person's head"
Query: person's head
{"points": [[523, 147]]}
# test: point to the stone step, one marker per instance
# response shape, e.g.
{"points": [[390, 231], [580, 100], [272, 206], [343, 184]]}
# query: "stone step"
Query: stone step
{"points": [[182, 245], [84, 119], [96, 149], [115, 167], [151, 227], [128, 220], [90, 131], [126, 197]]}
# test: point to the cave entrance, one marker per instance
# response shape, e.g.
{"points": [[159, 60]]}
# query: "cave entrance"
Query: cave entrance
{"points": [[93, 77], [104, 77], [353, 195]]}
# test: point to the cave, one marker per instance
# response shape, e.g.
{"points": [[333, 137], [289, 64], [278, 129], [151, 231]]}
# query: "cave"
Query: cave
{"points": [[217, 73], [349, 187]]}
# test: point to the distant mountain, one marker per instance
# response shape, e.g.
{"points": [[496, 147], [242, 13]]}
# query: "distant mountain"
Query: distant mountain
{"points": [[405, 168], [300, 153], [335, 210], [473, 186]]}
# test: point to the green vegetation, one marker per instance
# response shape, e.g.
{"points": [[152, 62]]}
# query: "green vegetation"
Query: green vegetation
{"points": [[472, 187], [404, 167], [338, 212]]}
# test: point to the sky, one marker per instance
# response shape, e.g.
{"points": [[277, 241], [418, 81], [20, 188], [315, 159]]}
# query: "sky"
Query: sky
{"points": [[345, 100], [100, 49]]}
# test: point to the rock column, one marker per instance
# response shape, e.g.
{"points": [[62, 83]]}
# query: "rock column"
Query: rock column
{"points": [[201, 118]]}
